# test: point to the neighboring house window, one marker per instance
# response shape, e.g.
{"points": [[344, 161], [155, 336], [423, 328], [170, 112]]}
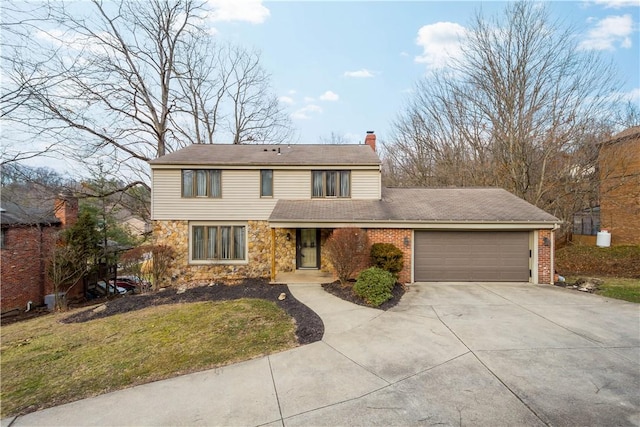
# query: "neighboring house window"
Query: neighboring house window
{"points": [[201, 183], [3, 237], [587, 222], [218, 242], [331, 183], [266, 183]]}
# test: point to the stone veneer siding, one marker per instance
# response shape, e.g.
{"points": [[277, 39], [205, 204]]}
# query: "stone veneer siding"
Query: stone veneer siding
{"points": [[545, 257], [258, 265], [397, 237], [285, 250]]}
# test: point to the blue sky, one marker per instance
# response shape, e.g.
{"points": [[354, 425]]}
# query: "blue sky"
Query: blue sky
{"points": [[348, 67]]}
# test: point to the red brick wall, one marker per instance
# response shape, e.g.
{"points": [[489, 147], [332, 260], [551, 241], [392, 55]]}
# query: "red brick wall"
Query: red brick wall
{"points": [[545, 256], [23, 262], [66, 210], [619, 167], [397, 237]]}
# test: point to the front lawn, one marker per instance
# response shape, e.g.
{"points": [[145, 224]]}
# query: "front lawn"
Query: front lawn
{"points": [[625, 289], [47, 363]]}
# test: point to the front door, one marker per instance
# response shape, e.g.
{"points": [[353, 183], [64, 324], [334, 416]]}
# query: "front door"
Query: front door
{"points": [[308, 248]]}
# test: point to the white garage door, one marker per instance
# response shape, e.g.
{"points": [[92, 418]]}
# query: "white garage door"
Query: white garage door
{"points": [[461, 256]]}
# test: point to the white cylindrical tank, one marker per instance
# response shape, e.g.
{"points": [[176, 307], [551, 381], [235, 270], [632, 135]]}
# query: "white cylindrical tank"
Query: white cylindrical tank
{"points": [[603, 239]]}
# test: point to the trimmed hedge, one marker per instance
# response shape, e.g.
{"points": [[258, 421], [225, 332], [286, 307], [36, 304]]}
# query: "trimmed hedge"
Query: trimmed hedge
{"points": [[387, 256], [374, 285]]}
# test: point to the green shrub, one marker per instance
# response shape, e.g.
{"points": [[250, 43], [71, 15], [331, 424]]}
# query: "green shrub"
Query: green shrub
{"points": [[387, 256], [374, 285]]}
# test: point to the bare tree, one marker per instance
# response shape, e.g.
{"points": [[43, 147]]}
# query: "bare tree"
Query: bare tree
{"points": [[520, 110], [129, 81], [348, 252], [333, 138], [65, 268]]}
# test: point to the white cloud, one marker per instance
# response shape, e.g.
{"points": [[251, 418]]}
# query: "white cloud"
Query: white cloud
{"points": [[305, 112], [291, 92], [363, 73], [308, 99], [286, 100], [633, 95], [75, 41], [238, 10], [615, 4], [609, 33], [439, 42], [329, 96]]}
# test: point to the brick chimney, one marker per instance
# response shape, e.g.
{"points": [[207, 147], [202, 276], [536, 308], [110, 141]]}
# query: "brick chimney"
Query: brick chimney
{"points": [[66, 209], [370, 140]]}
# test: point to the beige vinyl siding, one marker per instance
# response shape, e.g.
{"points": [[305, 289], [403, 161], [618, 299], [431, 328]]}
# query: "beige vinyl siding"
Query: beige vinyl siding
{"points": [[241, 193], [292, 184], [240, 198], [365, 184]]}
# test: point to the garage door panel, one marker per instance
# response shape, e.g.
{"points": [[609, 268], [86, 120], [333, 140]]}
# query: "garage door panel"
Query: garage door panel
{"points": [[471, 256]]}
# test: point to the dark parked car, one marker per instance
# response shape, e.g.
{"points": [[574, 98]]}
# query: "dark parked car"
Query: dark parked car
{"points": [[130, 287], [141, 285]]}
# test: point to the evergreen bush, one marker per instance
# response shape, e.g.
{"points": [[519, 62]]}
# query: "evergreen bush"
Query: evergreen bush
{"points": [[374, 285], [387, 256]]}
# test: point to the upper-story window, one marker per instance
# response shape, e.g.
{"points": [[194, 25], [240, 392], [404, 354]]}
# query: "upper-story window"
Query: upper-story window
{"points": [[266, 183], [331, 183], [201, 183]]}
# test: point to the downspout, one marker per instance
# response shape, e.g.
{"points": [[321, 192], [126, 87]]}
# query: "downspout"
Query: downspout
{"points": [[42, 263], [273, 255]]}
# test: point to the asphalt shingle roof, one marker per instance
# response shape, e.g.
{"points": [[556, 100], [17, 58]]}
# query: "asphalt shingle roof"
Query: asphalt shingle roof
{"points": [[13, 214], [417, 205], [258, 154]]}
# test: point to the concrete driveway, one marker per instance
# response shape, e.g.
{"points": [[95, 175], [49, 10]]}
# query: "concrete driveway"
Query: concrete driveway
{"points": [[448, 354]]}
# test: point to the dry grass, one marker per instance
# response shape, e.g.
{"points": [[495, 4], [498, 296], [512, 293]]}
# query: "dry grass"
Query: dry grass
{"points": [[615, 261], [46, 363]]}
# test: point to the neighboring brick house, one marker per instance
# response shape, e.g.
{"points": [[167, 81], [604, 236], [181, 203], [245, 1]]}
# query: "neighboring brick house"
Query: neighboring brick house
{"points": [[235, 211], [28, 234], [619, 167]]}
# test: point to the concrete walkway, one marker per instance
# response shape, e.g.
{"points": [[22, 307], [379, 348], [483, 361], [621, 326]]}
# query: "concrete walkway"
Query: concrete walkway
{"points": [[448, 354]]}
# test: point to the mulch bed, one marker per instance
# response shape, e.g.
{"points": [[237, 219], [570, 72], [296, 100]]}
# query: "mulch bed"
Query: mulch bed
{"points": [[309, 326], [347, 294]]}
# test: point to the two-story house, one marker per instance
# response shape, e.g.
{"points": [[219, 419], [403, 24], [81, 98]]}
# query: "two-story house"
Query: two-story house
{"points": [[235, 211]]}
